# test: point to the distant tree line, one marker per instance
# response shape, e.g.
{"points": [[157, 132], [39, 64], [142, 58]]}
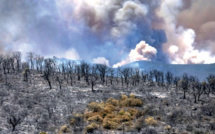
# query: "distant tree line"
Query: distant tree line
{"points": [[72, 73]]}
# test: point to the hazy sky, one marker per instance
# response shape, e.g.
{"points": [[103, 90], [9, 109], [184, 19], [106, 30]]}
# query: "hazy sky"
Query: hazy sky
{"points": [[114, 32]]}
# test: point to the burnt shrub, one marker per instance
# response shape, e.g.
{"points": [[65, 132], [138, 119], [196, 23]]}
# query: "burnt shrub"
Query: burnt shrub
{"points": [[149, 131], [177, 117], [209, 110]]}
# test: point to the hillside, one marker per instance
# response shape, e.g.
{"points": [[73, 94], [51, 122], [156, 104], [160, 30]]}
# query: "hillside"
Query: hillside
{"points": [[199, 70]]}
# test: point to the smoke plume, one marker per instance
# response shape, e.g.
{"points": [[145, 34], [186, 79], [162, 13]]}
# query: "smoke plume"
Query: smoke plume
{"points": [[142, 51], [181, 31], [184, 36], [101, 60]]}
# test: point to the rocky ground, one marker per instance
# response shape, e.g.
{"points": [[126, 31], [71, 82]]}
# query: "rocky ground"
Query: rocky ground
{"points": [[37, 108]]}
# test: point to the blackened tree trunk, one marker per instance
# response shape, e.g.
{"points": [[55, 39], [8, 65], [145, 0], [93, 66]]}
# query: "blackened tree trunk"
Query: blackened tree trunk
{"points": [[50, 85], [92, 86]]}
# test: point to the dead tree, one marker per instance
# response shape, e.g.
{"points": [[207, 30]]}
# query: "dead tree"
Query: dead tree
{"points": [[71, 67], [63, 70], [39, 61], [14, 121], [195, 86], [102, 71], [15, 115], [156, 75], [48, 70], [211, 82], [25, 65], [126, 73], [184, 83], [17, 56], [26, 74], [135, 76], [30, 58], [1, 61], [204, 87], [60, 81], [78, 71], [200, 89], [111, 75], [85, 68], [143, 76], [176, 81], [4, 65], [160, 78], [7, 65], [169, 78], [93, 77]]}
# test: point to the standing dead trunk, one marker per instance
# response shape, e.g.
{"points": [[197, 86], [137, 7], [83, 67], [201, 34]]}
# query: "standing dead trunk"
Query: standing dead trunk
{"points": [[50, 86]]}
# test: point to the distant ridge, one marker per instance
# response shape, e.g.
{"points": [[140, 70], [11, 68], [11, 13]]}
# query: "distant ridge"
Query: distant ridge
{"points": [[199, 70]]}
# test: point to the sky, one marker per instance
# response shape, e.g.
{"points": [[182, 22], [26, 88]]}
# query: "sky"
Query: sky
{"points": [[111, 32]]}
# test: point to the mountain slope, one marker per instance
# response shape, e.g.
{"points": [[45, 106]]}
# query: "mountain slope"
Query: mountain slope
{"points": [[199, 70]]}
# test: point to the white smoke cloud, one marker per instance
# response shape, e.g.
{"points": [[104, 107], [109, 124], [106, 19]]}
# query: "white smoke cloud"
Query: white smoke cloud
{"points": [[117, 17], [190, 36], [125, 16], [181, 41], [71, 54], [143, 51], [101, 60]]}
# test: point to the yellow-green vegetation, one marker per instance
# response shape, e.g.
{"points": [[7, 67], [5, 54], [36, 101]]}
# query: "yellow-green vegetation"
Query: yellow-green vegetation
{"points": [[151, 121], [131, 102], [90, 128], [95, 118], [113, 114], [95, 107], [76, 119], [124, 97], [64, 129], [168, 127], [132, 95], [43, 133]]}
